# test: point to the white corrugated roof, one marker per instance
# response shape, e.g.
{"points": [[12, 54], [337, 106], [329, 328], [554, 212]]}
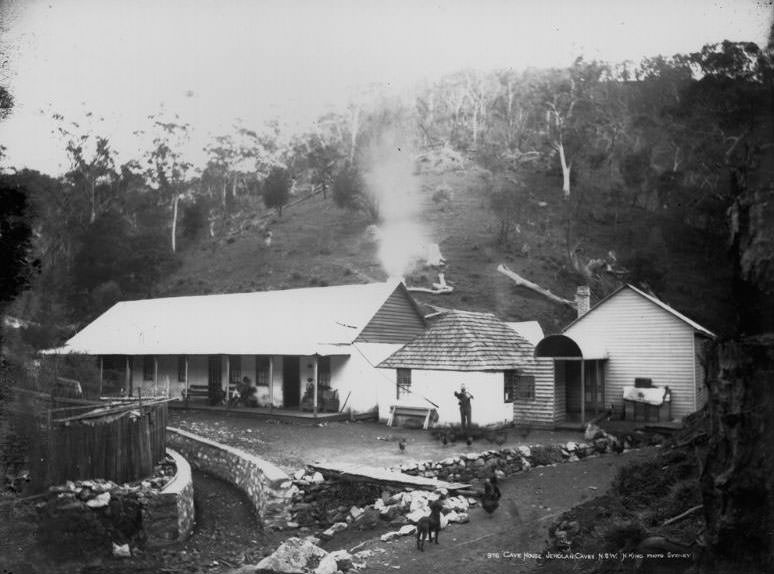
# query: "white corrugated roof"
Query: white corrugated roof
{"points": [[322, 320]]}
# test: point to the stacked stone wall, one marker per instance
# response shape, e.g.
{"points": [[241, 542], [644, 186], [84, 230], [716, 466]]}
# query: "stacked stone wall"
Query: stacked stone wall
{"points": [[267, 487]]}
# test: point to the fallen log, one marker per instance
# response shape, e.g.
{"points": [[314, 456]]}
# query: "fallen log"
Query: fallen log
{"points": [[520, 281], [683, 515]]}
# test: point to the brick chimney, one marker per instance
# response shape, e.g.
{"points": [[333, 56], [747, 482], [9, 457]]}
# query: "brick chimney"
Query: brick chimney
{"points": [[583, 300]]}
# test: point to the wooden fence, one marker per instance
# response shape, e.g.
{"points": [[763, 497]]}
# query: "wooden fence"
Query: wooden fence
{"points": [[122, 444], [117, 440]]}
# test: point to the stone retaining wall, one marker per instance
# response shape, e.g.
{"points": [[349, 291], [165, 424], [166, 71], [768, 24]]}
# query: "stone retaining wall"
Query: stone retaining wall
{"points": [[268, 487], [169, 515]]}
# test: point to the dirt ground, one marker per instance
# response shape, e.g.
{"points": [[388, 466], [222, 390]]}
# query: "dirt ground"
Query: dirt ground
{"points": [[531, 500], [291, 446], [489, 544]]}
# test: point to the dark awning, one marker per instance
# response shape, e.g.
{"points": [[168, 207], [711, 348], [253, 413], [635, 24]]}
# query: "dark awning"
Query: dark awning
{"points": [[564, 347]]}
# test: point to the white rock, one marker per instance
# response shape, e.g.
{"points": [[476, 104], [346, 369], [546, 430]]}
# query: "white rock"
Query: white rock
{"points": [[355, 511], [571, 446], [317, 478], [456, 503], [407, 530], [299, 474], [472, 501], [121, 550], [387, 536], [336, 527], [99, 501], [415, 516], [525, 450], [327, 565], [293, 555], [463, 517], [451, 517], [499, 473], [379, 504]]}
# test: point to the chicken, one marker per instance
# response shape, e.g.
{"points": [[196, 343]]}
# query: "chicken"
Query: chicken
{"points": [[500, 439], [444, 439], [402, 445], [469, 440], [491, 498]]}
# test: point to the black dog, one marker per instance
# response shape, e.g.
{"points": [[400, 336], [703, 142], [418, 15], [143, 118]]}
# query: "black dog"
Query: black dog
{"points": [[429, 524]]}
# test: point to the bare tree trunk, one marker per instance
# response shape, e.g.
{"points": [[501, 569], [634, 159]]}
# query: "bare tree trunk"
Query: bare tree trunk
{"points": [[566, 167], [175, 201], [93, 201], [522, 282], [354, 127]]}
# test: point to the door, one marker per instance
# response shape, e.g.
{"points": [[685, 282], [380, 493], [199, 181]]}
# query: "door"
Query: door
{"points": [[291, 382], [214, 381], [595, 388]]}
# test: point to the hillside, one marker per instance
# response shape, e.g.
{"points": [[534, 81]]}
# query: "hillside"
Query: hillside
{"points": [[316, 243]]}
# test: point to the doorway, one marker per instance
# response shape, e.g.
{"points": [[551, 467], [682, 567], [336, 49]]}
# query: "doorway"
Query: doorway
{"points": [[214, 380], [291, 382]]}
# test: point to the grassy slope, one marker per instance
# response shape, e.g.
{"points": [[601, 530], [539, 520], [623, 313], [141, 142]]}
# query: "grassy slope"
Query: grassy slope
{"points": [[315, 243]]}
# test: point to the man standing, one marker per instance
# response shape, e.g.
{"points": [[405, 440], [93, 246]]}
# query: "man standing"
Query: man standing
{"points": [[464, 397]]}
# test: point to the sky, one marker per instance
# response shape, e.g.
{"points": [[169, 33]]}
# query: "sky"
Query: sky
{"points": [[211, 62]]}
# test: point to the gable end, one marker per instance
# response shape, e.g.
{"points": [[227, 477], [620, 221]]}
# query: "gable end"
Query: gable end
{"points": [[397, 321]]}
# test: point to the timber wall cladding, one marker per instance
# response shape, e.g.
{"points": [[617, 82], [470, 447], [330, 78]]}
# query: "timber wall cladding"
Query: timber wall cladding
{"points": [[266, 486], [397, 321]]}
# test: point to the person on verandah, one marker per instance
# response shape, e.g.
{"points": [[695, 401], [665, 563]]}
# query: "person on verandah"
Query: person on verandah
{"points": [[464, 398]]}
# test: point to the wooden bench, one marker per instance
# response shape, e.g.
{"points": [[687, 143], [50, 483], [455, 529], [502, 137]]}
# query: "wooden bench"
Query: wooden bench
{"points": [[429, 414]]}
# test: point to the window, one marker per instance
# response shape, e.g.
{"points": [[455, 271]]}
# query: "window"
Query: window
{"points": [[324, 372], [262, 370], [181, 370], [518, 387], [404, 382], [235, 369], [510, 379], [147, 368]]}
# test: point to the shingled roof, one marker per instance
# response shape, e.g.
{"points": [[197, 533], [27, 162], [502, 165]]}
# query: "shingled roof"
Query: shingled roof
{"points": [[464, 341]]}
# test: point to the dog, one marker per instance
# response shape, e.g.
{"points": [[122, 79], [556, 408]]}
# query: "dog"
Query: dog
{"points": [[429, 524]]}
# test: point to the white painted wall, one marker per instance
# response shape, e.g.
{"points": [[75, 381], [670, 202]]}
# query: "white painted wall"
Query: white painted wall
{"points": [[487, 407], [642, 340]]}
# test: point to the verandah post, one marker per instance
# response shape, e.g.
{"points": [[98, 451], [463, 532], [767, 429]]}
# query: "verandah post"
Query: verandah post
{"points": [[583, 391], [271, 381], [316, 360]]}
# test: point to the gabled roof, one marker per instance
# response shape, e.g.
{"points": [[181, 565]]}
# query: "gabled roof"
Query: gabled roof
{"points": [[659, 303], [324, 320], [464, 341]]}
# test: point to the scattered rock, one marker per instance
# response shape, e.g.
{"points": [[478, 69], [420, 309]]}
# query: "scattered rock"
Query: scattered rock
{"points": [[99, 501], [387, 536], [407, 530], [121, 550], [291, 557]]}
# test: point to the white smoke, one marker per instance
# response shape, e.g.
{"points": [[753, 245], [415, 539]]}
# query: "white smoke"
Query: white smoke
{"points": [[391, 181]]}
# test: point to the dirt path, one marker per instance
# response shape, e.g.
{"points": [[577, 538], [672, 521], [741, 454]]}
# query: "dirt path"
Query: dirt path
{"points": [[488, 543]]}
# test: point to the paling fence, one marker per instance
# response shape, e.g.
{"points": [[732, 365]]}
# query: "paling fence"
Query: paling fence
{"points": [[122, 444], [117, 440]]}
